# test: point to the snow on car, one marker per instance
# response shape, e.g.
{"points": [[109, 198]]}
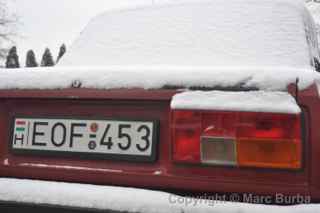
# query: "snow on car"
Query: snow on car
{"points": [[199, 97], [314, 8]]}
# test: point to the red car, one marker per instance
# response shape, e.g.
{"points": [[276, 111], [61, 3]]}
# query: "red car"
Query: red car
{"points": [[120, 109]]}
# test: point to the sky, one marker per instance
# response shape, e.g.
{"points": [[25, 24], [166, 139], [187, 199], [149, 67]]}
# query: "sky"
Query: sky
{"points": [[49, 23]]}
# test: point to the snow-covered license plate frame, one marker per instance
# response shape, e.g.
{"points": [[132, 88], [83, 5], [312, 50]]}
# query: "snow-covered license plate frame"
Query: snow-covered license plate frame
{"points": [[111, 139]]}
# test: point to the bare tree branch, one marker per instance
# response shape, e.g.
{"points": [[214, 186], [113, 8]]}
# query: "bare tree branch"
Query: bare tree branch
{"points": [[7, 26]]}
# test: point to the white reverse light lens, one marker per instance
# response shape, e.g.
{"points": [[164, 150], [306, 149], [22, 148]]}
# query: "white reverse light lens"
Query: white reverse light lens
{"points": [[218, 151]]}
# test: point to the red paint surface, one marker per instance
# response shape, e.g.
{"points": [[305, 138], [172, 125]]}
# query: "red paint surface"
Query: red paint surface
{"points": [[20, 122], [163, 174]]}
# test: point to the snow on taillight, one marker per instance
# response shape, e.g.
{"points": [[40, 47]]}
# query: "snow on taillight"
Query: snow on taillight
{"points": [[237, 138]]}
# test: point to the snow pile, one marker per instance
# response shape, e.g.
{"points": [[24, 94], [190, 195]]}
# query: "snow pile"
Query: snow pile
{"points": [[202, 33], [254, 101], [156, 77], [125, 199]]}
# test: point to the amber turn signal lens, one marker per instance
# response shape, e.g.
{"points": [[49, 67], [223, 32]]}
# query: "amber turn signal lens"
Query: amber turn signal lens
{"points": [[269, 153]]}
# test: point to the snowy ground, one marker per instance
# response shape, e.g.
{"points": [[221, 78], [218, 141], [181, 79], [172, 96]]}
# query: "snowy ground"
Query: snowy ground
{"points": [[127, 199]]}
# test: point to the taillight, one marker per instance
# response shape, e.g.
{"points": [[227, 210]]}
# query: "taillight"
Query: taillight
{"points": [[245, 139], [187, 131]]}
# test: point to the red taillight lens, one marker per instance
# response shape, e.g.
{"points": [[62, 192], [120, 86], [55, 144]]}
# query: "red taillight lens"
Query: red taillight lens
{"points": [[187, 126], [264, 125], [266, 140]]}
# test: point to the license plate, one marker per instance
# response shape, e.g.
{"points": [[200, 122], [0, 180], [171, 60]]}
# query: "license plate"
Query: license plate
{"points": [[109, 138]]}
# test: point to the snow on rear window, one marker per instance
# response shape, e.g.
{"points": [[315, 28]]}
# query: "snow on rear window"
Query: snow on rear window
{"points": [[262, 44], [202, 33], [254, 101]]}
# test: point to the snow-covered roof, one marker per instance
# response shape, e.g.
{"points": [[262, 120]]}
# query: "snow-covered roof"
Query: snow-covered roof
{"points": [[198, 33], [314, 8]]}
